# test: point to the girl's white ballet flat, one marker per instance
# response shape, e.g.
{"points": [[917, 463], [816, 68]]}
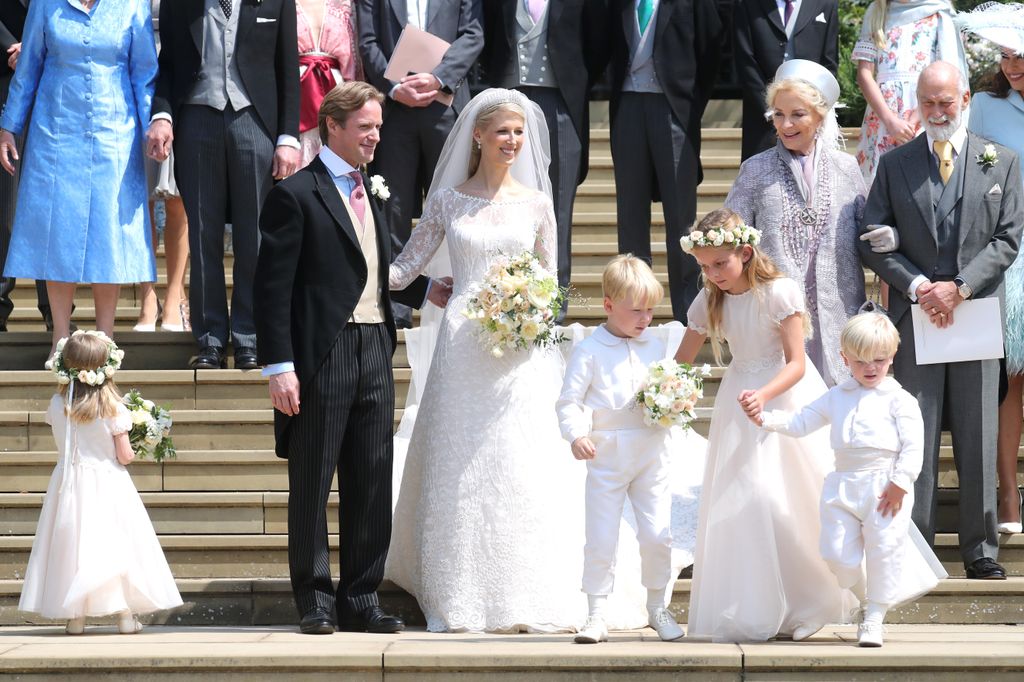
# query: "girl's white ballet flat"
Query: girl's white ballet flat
{"points": [[128, 624], [75, 626], [804, 631]]}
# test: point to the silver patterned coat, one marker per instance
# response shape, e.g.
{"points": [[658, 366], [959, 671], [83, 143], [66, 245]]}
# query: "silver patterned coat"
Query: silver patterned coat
{"points": [[810, 233]]}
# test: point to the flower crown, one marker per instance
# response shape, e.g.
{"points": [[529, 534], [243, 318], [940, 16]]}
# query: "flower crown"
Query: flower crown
{"points": [[93, 377], [722, 236]]}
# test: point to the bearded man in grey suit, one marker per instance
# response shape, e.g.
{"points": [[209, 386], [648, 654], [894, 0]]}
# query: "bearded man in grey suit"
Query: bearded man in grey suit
{"points": [[959, 224]]}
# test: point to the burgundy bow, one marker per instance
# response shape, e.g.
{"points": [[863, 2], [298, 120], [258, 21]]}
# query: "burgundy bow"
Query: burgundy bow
{"points": [[314, 85]]}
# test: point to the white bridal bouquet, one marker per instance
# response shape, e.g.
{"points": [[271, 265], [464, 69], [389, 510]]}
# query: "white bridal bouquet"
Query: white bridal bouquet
{"points": [[151, 428], [669, 395], [516, 305]]}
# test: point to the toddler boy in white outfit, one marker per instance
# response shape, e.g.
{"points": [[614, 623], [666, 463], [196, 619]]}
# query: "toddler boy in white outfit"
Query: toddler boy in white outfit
{"points": [[877, 434], [597, 414]]}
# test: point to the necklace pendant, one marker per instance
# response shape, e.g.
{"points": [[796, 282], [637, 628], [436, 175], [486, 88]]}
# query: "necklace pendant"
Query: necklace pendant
{"points": [[808, 216]]}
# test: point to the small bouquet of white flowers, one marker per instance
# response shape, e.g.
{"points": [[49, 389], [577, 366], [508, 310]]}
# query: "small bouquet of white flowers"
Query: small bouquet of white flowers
{"points": [[151, 428], [516, 305], [669, 395]]}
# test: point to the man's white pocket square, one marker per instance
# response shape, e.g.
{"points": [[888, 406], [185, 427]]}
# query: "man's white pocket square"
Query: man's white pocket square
{"points": [[996, 190], [821, 18], [264, 20]]}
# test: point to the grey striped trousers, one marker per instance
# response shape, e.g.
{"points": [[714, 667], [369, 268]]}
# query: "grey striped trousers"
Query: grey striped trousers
{"points": [[344, 425]]}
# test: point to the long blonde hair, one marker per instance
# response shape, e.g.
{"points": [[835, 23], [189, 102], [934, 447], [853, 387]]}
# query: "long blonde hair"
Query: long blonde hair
{"points": [[878, 23], [485, 117], [759, 270], [86, 352]]}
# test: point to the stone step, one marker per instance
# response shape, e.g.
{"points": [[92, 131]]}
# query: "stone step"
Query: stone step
{"points": [[258, 654], [266, 556]]}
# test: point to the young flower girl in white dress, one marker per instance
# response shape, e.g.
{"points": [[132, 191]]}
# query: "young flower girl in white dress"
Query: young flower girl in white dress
{"points": [[757, 572], [95, 552]]}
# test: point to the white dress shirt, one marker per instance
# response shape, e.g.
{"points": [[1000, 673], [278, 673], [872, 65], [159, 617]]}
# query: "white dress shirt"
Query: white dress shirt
{"points": [[418, 12], [864, 421], [781, 4]]}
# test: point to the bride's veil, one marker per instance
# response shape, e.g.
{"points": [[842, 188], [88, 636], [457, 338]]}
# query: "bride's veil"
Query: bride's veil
{"points": [[530, 169]]}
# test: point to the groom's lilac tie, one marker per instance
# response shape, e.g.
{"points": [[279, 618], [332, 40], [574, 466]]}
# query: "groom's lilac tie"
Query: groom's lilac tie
{"points": [[536, 8], [358, 197]]}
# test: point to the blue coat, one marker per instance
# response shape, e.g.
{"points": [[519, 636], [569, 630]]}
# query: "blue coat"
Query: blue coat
{"points": [[87, 81]]}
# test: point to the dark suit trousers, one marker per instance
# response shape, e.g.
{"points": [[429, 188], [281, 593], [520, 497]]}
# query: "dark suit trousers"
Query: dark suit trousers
{"points": [[962, 395], [8, 201], [566, 149], [223, 161], [758, 133], [345, 427], [650, 148], [410, 144]]}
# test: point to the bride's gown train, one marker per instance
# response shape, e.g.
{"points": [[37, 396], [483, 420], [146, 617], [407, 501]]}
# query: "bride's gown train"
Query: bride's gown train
{"points": [[488, 526]]}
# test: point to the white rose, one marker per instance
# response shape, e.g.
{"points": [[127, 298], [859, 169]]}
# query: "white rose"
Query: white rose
{"points": [[83, 376], [108, 370], [990, 150], [718, 240], [728, 237], [530, 330], [139, 417], [148, 404], [695, 236], [63, 379], [497, 352]]}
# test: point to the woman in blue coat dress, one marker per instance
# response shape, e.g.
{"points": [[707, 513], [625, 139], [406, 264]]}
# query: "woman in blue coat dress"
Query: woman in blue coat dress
{"points": [[85, 74]]}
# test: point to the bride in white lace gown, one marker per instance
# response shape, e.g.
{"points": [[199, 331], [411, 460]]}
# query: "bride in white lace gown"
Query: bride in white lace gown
{"points": [[488, 527]]}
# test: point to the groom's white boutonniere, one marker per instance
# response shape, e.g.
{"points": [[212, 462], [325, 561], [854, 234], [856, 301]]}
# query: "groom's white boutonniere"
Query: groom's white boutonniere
{"points": [[379, 188], [988, 157]]}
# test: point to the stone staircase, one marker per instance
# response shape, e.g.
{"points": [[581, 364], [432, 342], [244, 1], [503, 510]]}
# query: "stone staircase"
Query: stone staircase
{"points": [[220, 508]]}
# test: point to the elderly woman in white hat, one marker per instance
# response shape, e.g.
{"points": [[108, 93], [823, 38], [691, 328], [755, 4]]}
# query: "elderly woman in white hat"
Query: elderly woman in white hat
{"points": [[807, 196]]}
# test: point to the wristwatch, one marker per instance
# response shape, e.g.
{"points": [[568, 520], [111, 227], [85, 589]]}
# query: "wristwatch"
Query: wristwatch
{"points": [[963, 288]]}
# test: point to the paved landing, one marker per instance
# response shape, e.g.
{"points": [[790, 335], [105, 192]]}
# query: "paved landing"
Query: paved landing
{"points": [[932, 652]]}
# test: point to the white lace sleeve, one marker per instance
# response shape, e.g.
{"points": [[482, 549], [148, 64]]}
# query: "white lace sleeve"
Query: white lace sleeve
{"points": [[422, 245], [546, 245]]}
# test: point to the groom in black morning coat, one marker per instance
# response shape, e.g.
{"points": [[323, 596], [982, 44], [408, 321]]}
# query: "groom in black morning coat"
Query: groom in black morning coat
{"points": [[326, 334]]}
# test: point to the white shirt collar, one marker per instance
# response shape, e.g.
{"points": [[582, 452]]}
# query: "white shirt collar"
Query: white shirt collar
{"points": [[606, 338], [337, 166], [959, 137], [887, 385]]}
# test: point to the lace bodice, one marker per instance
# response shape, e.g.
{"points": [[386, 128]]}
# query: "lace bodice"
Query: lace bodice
{"points": [[477, 230], [750, 322]]}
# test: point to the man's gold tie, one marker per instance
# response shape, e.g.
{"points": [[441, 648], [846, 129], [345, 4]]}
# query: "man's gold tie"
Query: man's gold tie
{"points": [[944, 150]]}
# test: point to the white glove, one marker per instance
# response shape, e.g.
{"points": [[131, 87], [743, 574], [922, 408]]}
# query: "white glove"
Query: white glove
{"points": [[883, 239]]}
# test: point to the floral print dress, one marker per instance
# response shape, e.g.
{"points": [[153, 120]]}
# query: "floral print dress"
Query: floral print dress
{"points": [[909, 48]]}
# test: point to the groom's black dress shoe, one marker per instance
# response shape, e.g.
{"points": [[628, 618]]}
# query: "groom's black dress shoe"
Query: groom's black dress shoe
{"points": [[210, 357], [372, 619], [316, 622], [245, 358], [986, 569]]}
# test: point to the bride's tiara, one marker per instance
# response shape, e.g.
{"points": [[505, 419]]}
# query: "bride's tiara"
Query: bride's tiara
{"points": [[722, 236]]}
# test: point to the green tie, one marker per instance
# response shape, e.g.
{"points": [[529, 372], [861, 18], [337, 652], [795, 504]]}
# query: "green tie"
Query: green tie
{"points": [[644, 10]]}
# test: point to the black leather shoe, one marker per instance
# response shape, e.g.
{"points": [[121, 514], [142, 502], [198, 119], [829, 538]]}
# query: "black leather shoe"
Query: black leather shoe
{"points": [[986, 569], [316, 622], [245, 358], [210, 357], [372, 619]]}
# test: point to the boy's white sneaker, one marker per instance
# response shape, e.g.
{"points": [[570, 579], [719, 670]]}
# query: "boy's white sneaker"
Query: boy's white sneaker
{"points": [[665, 625], [594, 631], [869, 634]]}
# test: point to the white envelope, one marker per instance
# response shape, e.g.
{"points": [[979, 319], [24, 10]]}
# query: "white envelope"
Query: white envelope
{"points": [[976, 334]]}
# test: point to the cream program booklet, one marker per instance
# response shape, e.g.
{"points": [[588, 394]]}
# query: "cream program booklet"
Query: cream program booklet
{"points": [[976, 334], [417, 52]]}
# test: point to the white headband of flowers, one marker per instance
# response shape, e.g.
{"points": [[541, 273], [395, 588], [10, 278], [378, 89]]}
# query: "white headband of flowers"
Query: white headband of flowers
{"points": [[723, 236], [93, 377]]}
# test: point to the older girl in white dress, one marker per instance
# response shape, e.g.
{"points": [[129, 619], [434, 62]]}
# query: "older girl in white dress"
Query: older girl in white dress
{"points": [[757, 572]]}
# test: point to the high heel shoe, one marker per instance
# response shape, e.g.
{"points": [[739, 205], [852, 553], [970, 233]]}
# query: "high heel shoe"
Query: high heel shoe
{"points": [[128, 624], [75, 626], [149, 326], [1011, 527], [183, 326]]}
